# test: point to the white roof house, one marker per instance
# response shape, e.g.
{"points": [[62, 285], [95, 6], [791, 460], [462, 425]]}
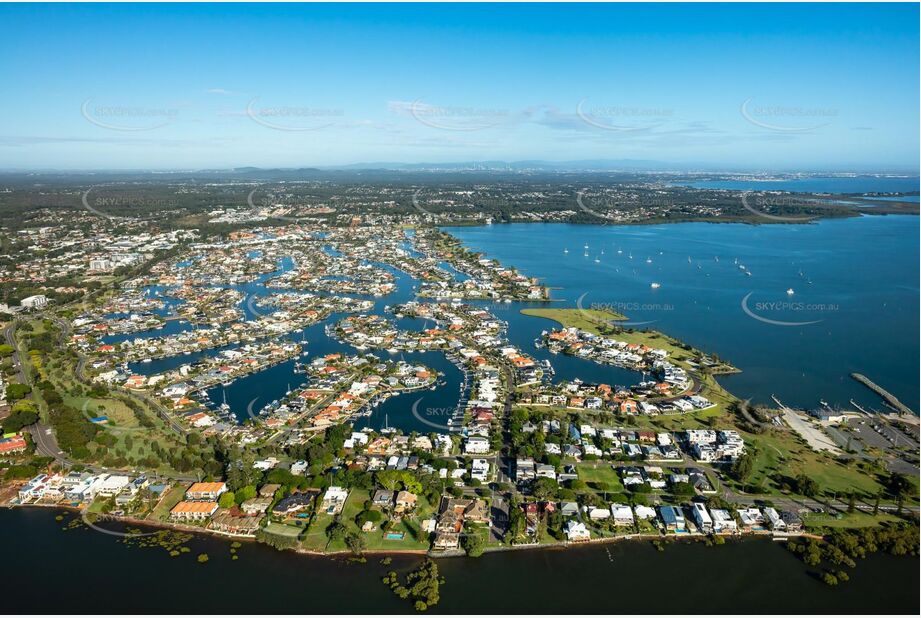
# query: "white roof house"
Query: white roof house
{"points": [[723, 521], [644, 512], [774, 519], [622, 514], [576, 531], [701, 517]]}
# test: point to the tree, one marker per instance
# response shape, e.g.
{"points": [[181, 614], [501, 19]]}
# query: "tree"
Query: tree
{"points": [[336, 531], [226, 500], [806, 486], [544, 488], [744, 466], [15, 391], [898, 485], [355, 542], [474, 543], [23, 415]]}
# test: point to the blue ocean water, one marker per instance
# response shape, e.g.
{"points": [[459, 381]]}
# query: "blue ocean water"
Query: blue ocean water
{"points": [[836, 184], [854, 304]]}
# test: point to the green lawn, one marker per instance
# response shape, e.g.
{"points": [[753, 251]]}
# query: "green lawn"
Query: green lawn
{"points": [[584, 319], [593, 472], [858, 519], [174, 496]]}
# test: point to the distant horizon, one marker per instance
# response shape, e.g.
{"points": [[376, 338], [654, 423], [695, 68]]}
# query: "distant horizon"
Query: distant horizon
{"points": [[563, 166], [713, 87]]}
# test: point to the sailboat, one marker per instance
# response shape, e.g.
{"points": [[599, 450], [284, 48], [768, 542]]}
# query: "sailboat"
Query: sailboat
{"points": [[224, 407]]}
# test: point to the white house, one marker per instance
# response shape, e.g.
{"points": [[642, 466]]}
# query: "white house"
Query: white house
{"points": [[723, 521], [701, 517], [476, 445], [622, 514], [576, 531]]}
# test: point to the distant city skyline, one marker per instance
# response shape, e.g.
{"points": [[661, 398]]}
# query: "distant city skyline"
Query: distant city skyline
{"points": [[725, 87]]}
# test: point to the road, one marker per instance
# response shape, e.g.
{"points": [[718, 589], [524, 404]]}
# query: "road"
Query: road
{"points": [[9, 334], [46, 443], [173, 424]]}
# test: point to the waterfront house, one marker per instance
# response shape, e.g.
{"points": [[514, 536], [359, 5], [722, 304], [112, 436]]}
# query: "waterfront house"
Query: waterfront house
{"points": [[622, 514], [774, 520], [576, 531], [334, 499], [701, 517], [294, 503], [238, 523], [193, 511], [673, 518], [446, 541], [792, 521], [752, 519], [644, 512], [723, 521]]}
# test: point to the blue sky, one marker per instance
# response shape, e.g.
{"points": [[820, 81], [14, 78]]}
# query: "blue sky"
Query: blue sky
{"points": [[204, 86]]}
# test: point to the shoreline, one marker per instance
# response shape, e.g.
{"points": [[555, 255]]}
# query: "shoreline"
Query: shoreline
{"points": [[555, 546]]}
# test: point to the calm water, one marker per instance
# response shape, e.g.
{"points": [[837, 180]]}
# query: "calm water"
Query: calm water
{"points": [[855, 184], [755, 576], [855, 284]]}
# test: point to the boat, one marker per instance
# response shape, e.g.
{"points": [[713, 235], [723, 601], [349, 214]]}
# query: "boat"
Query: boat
{"points": [[565, 250], [790, 292], [655, 285], [147, 360], [649, 260], [597, 261]]}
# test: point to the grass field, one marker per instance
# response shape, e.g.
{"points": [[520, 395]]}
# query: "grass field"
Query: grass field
{"points": [[584, 319], [597, 472], [172, 497], [857, 519]]}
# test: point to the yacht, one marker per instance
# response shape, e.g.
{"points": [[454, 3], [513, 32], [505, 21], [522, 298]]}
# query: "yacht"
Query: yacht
{"points": [[790, 292], [655, 285]]}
